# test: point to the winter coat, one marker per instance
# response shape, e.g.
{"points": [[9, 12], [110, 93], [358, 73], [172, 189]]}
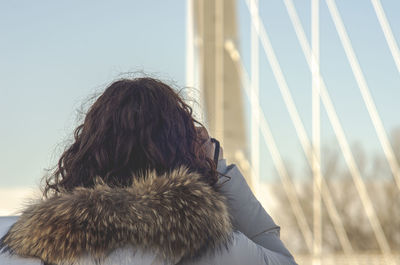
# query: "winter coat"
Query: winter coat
{"points": [[173, 218]]}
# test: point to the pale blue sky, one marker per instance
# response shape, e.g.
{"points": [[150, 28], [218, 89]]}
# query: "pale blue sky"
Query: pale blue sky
{"points": [[54, 54], [373, 54]]}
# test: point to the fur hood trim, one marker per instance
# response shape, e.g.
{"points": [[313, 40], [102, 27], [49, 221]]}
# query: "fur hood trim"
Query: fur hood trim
{"points": [[175, 215]]}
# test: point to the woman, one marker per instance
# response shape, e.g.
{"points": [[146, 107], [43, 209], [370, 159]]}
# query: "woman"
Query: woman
{"points": [[142, 184]]}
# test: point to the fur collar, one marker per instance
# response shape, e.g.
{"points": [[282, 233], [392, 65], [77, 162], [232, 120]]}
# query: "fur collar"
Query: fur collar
{"points": [[176, 215]]}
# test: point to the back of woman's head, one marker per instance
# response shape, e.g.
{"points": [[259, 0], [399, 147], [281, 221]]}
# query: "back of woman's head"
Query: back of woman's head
{"points": [[135, 125]]}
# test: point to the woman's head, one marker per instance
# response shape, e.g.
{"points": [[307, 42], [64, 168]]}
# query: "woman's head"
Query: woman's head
{"points": [[135, 125]]}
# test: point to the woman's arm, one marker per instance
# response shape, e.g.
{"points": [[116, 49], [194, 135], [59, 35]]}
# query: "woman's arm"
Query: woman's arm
{"points": [[249, 217]]}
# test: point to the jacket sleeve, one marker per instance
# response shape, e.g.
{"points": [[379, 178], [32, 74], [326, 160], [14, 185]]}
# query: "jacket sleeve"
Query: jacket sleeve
{"points": [[242, 251], [249, 217]]}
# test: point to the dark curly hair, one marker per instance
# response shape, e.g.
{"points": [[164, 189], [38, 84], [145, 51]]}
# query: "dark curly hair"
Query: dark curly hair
{"points": [[134, 125]]}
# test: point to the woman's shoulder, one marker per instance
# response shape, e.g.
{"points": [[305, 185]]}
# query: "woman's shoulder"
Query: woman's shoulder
{"points": [[5, 223]]}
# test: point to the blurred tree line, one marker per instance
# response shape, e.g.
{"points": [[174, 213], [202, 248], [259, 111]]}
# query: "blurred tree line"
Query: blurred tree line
{"points": [[381, 187]]}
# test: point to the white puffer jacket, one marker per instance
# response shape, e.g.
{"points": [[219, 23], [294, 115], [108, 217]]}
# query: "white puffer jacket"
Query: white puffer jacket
{"points": [[170, 219]]}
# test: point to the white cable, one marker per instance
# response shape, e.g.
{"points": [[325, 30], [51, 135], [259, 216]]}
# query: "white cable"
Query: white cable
{"points": [[316, 135], [269, 140], [349, 159], [369, 102], [301, 133], [387, 31], [255, 136]]}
